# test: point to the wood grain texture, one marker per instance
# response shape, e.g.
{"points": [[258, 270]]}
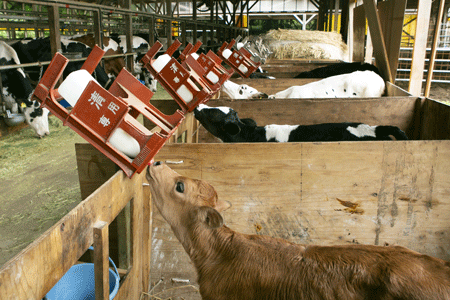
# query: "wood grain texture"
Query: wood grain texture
{"points": [[318, 193]]}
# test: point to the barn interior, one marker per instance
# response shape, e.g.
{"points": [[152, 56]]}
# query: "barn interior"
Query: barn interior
{"points": [[332, 193]]}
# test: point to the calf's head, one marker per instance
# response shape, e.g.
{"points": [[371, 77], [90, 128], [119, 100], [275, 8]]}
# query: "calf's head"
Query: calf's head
{"points": [[222, 122], [243, 91], [179, 198]]}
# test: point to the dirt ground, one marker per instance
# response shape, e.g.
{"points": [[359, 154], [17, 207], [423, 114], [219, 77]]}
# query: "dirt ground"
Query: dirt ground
{"points": [[39, 181]]}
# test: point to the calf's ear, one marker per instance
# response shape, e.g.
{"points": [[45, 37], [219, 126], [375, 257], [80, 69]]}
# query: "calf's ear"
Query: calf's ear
{"points": [[249, 122], [210, 217], [222, 205], [232, 128]]}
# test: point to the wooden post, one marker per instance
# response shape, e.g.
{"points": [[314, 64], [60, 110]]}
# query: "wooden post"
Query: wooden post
{"points": [[53, 24], [146, 234], [194, 17], [183, 32], [151, 31], [169, 23], [420, 47], [392, 14], [101, 261], [98, 28], [359, 34], [376, 34], [129, 36], [437, 30], [336, 15]]}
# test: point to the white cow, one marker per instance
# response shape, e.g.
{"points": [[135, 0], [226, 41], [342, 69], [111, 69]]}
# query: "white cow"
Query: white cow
{"points": [[356, 84], [241, 91]]}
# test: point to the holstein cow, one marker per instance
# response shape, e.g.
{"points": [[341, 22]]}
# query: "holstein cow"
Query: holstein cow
{"points": [[338, 69], [241, 91], [232, 265], [37, 50], [224, 123], [140, 46], [112, 66], [356, 84], [17, 91]]}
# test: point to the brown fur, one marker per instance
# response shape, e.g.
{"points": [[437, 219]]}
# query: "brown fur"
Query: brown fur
{"points": [[112, 65], [234, 266]]}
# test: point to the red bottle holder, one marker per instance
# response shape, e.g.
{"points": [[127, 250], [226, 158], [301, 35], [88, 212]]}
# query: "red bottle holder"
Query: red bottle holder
{"points": [[209, 62], [239, 60], [98, 112], [185, 84]]}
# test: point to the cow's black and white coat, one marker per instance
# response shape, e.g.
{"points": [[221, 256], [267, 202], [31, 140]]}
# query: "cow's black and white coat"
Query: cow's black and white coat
{"points": [[17, 91], [338, 69], [40, 50], [224, 123]]}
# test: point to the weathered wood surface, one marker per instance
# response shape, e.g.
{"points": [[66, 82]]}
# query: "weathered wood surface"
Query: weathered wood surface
{"points": [[317, 193], [34, 271], [271, 86], [288, 68], [403, 112]]}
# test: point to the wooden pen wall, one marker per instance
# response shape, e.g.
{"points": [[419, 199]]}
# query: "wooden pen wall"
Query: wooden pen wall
{"points": [[316, 193]]}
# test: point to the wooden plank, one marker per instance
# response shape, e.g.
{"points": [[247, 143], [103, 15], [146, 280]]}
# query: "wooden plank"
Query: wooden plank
{"points": [[378, 42], [391, 17], [94, 169], [101, 260], [34, 271], [403, 112], [147, 233], [53, 24], [419, 50], [359, 33], [294, 191], [434, 46]]}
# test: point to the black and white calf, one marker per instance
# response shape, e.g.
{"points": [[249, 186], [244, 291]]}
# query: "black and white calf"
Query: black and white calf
{"points": [[338, 69], [224, 123], [141, 46], [17, 91], [357, 84]]}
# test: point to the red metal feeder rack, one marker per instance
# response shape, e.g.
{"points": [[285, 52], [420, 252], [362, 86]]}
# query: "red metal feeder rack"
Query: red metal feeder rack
{"points": [[210, 63], [177, 79], [98, 112], [239, 60]]}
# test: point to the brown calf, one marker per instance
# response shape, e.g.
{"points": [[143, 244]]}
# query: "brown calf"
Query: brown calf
{"points": [[112, 66], [234, 266]]}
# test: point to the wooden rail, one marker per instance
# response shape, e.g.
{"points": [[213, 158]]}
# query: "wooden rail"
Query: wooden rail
{"points": [[34, 271]]}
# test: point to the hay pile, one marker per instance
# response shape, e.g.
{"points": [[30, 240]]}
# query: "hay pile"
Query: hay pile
{"points": [[285, 43]]}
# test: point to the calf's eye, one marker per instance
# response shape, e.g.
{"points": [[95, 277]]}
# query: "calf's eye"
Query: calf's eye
{"points": [[180, 187]]}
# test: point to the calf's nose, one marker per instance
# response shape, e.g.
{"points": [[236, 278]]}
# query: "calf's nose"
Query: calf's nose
{"points": [[157, 163]]}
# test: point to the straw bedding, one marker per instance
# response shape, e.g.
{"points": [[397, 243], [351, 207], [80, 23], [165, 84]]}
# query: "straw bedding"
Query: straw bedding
{"points": [[285, 43]]}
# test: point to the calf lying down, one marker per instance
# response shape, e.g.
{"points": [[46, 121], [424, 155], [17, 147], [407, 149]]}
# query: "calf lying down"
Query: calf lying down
{"points": [[231, 265], [356, 84], [224, 123]]}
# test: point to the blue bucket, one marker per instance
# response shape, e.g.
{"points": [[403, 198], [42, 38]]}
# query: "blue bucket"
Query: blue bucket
{"points": [[78, 283]]}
